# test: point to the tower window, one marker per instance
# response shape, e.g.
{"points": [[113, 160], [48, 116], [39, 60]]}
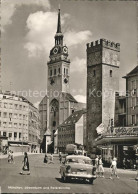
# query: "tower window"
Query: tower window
{"points": [[59, 70], [111, 73], [54, 113], [54, 123], [54, 71], [51, 72], [94, 73], [64, 70]]}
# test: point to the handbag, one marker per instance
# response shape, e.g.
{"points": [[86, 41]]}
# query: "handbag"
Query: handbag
{"points": [[25, 168]]}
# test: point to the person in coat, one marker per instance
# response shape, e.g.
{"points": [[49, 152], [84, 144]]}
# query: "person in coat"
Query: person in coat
{"points": [[25, 167]]}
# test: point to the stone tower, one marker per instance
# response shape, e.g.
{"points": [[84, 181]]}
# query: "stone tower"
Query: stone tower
{"points": [[58, 77], [103, 61]]}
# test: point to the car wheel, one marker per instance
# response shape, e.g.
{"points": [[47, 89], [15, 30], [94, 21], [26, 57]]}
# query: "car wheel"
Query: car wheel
{"points": [[91, 181]]}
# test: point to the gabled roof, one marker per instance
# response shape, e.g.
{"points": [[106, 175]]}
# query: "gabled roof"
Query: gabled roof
{"points": [[133, 72], [73, 118], [47, 133], [69, 97]]}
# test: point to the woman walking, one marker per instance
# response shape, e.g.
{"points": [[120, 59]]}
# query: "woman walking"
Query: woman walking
{"points": [[114, 168], [25, 167], [101, 169]]}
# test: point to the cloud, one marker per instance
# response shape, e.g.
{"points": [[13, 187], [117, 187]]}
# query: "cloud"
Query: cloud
{"points": [[80, 98], [78, 65], [74, 38], [42, 28], [8, 7]]}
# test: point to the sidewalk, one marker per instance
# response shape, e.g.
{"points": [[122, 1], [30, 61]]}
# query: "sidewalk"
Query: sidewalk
{"points": [[122, 171], [2, 156]]}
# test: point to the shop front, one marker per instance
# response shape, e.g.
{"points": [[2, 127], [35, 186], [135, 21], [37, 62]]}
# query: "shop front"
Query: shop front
{"points": [[122, 143]]}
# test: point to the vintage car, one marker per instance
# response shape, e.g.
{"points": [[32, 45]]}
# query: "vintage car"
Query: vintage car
{"points": [[77, 166]]}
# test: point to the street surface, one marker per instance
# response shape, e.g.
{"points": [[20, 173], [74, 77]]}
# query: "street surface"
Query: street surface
{"points": [[45, 178]]}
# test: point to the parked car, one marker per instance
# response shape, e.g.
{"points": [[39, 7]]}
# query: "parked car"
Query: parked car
{"points": [[78, 167]]}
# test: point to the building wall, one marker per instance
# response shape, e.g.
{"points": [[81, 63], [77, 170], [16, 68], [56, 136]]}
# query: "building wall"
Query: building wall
{"points": [[132, 100], [66, 135], [43, 116], [103, 59], [110, 85], [19, 120], [120, 111]]}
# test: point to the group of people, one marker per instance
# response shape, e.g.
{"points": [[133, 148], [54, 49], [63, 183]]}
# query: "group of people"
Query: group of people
{"points": [[10, 157], [100, 169]]}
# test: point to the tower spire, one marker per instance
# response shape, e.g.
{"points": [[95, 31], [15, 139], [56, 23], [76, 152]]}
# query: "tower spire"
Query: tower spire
{"points": [[59, 22], [59, 35]]}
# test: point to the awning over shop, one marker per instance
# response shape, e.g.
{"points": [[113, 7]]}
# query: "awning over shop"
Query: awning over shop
{"points": [[121, 140]]}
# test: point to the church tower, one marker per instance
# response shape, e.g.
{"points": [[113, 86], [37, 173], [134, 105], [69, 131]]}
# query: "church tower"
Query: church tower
{"points": [[58, 79], [59, 64]]}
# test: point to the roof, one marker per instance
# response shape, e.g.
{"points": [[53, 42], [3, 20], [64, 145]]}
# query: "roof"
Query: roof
{"points": [[69, 97], [48, 132], [78, 156], [73, 118], [133, 72]]}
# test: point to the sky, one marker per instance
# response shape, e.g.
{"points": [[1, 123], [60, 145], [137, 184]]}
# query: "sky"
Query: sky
{"points": [[28, 28]]}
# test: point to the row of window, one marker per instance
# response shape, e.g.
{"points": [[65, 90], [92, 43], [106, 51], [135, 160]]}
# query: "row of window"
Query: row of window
{"points": [[65, 143], [11, 106], [10, 124], [134, 101], [110, 73], [134, 84], [66, 135], [13, 115], [58, 71], [18, 135], [66, 129]]}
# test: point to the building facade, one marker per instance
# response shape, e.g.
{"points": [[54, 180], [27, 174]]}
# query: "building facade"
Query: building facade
{"points": [[72, 130], [103, 61], [19, 121], [132, 97], [120, 111], [122, 140]]}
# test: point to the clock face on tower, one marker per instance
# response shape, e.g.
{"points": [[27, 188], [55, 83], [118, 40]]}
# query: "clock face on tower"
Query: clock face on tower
{"points": [[52, 81], [65, 80], [55, 50], [65, 50]]}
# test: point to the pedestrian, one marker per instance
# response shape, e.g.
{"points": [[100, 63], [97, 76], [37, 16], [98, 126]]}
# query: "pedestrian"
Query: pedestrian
{"points": [[45, 159], [60, 158], [100, 167], [25, 167], [12, 157], [114, 168], [124, 163], [51, 159], [9, 156], [97, 164]]}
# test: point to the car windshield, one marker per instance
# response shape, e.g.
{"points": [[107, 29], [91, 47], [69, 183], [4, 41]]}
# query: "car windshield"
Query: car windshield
{"points": [[79, 160]]}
